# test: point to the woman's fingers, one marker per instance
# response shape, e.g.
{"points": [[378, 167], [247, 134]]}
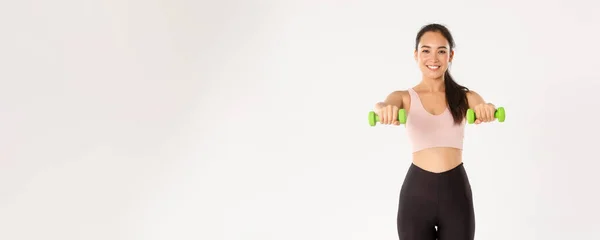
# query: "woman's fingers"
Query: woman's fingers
{"points": [[394, 115]]}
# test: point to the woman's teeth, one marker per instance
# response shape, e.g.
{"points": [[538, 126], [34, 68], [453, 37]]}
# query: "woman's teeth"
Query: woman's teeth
{"points": [[433, 67]]}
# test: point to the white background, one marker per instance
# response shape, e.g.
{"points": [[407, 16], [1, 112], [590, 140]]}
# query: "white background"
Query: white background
{"points": [[248, 119]]}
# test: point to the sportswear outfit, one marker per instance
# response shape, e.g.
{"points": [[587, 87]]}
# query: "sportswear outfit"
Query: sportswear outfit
{"points": [[431, 200]]}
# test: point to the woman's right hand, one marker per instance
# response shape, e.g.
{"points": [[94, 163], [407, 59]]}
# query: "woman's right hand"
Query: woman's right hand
{"points": [[388, 113]]}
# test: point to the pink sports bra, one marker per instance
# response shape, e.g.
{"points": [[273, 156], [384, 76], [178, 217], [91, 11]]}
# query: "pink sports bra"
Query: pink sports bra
{"points": [[426, 130]]}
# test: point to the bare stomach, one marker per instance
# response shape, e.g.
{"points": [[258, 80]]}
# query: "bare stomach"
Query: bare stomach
{"points": [[437, 159]]}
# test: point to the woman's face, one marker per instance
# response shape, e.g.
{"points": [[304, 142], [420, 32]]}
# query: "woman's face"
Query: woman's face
{"points": [[433, 55]]}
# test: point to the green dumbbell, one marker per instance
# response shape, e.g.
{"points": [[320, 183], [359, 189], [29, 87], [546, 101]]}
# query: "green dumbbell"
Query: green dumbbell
{"points": [[499, 114], [374, 119]]}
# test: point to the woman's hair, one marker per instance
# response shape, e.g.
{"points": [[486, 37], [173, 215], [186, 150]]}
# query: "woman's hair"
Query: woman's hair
{"points": [[456, 95]]}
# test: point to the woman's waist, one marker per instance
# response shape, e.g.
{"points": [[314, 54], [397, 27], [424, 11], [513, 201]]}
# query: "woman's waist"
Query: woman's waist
{"points": [[439, 159]]}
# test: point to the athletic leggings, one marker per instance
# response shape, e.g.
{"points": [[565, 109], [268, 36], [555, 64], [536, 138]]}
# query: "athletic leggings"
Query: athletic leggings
{"points": [[429, 200]]}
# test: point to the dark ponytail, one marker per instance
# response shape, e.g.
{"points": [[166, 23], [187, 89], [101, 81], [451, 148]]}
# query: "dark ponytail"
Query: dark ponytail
{"points": [[456, 95]]}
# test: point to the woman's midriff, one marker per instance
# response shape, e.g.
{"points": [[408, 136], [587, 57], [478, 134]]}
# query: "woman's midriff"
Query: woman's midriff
{"points": [[437, 159]]}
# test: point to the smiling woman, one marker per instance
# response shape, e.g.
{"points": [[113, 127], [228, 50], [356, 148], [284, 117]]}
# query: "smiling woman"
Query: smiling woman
{"points": [[436, 191], [434, 53]]}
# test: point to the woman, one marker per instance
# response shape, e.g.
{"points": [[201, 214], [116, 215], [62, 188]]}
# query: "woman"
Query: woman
{"points": [[436, 192]]}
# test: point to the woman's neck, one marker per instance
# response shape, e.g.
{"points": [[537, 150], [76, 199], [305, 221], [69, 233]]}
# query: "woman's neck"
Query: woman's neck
{"points": [[432, 85]]}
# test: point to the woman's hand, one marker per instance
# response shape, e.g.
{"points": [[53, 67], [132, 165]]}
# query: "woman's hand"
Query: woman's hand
{"points": [[388, 114], [484, 112]]}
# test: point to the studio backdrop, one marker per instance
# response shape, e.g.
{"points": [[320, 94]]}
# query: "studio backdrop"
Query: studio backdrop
{"points": [[247, 120]]}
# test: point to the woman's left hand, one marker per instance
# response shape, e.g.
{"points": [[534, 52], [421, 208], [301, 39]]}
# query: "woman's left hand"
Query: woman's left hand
{"points": [[484, 113]]}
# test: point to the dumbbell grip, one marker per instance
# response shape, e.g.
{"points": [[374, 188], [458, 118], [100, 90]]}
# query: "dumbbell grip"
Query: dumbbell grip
{"points": [[374, 118], [500, 114]]}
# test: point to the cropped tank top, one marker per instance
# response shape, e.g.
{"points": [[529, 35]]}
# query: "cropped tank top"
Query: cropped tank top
{"points": [[426, 130]]}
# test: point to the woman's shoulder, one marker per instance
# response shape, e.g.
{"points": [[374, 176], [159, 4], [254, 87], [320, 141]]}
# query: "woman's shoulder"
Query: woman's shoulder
{"points": [[402, 94], [403, 91], [400, 97], [472, 95]]}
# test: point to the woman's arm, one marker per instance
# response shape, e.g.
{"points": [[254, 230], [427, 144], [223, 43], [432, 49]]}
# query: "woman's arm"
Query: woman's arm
{"points": [[388, 109], [394, 99], [484, 111]]}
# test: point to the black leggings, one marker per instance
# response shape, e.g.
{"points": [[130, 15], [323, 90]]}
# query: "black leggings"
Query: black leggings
{"points": [[429, 200]]}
